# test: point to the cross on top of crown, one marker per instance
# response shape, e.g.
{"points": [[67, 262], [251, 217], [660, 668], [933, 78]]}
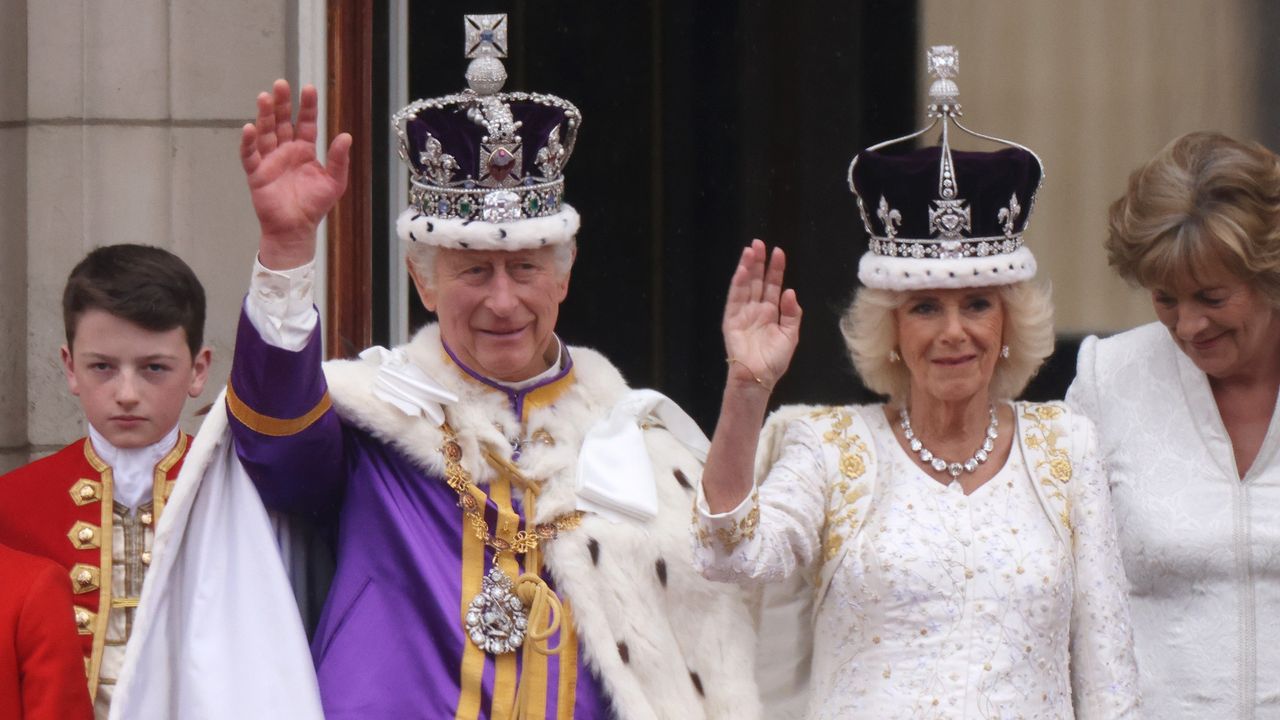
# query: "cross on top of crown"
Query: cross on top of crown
{"points": [[944, 94], [486, 35], [944, 61]]}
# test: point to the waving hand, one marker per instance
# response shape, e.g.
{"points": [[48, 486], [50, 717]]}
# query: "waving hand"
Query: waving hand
{"points": [[761, 319], [290, 189]]}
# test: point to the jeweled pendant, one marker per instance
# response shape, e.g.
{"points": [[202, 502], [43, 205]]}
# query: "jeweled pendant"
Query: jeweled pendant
{"points": [[496, 621]]}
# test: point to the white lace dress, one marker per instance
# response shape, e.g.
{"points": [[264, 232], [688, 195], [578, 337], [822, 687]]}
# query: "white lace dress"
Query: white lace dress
{"points": [[930, 603], [1201, 545]]}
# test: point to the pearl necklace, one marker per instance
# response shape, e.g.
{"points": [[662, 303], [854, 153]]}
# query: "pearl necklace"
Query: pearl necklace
{"points": [[952, 469]]}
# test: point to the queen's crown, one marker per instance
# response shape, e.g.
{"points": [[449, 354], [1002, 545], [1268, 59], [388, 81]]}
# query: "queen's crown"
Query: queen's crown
{"points": [[941, 203]]}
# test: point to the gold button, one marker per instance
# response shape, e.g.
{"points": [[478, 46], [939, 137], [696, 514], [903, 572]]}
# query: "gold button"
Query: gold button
{"points": [[82, 618], [85, 491], [84, 578], [146, 558], [145, 518], [83, 535], [986, 666]]}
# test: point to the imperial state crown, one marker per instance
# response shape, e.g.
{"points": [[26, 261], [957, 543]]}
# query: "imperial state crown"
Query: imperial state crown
{"points": [[487, 167]]}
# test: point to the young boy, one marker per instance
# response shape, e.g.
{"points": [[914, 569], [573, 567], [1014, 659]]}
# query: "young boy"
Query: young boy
{"points": [[134, 318]]}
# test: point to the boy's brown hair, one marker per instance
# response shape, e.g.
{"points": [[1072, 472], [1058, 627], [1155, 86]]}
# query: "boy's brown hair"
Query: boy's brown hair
{"points": [[148, 286]]}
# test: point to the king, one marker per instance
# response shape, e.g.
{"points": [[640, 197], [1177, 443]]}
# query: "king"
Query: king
{"points": [[511, 521]]}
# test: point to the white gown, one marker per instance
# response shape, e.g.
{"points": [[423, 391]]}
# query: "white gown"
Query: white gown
{"points": [[931, 604], [1201, 545]]}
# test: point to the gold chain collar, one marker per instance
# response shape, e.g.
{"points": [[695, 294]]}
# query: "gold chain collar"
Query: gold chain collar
{"points": [[473, 507]]}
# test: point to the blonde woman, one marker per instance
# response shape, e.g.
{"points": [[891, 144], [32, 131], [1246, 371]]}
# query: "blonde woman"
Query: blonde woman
{"points": [[961, 545]]}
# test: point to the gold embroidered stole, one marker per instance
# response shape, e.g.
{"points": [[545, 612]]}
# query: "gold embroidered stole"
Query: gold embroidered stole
{"points": [[1044, 432], [850, 489]]}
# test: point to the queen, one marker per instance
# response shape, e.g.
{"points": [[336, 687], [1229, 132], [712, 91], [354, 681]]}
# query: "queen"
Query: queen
{"points": [[960, 546]]}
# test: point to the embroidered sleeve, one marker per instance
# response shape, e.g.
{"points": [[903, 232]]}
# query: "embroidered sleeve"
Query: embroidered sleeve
{"points": [[1104, 675], [775, 530]]}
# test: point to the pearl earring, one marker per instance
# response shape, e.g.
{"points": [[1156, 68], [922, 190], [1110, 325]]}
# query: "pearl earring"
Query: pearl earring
{"points": [[893, 356], [1004, 351]]}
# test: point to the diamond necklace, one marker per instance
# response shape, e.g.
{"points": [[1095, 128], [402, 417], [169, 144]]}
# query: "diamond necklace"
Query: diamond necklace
{"points": [[952, 469]]}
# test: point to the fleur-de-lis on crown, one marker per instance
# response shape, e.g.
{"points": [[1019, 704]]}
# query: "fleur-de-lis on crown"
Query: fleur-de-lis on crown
{"points": [[1009, 215], [889, 217], [437, 164], [550, 159]]}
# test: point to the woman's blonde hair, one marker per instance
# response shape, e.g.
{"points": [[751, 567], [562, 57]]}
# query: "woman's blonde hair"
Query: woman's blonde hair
{"points": [[871, 332], [1204, 200]]}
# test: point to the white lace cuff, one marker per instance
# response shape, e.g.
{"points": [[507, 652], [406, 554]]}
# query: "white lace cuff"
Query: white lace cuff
{"points": [[281, 305]]}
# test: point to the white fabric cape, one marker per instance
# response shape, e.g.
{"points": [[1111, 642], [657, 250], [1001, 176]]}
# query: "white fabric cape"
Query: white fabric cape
{"points": [[203, 644]]}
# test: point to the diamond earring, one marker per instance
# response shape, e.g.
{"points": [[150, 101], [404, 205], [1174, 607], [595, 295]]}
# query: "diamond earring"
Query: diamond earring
{"points": [[894, 356], [1004, 351]]}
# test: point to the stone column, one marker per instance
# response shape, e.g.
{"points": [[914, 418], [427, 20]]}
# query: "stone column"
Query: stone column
{"points": [[13, 234], [135, 109]]}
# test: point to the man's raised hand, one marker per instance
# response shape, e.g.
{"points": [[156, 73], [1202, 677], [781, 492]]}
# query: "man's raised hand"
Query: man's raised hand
{"points": [[291, 191]]}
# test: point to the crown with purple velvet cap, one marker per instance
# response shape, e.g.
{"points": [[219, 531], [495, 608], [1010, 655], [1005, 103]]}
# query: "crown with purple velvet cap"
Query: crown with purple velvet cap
{"points": [[943, 218], [487, 167]]}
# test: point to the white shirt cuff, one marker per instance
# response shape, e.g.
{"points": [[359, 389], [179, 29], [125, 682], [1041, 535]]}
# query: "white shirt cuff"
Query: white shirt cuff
{"points": [[281, 306]]}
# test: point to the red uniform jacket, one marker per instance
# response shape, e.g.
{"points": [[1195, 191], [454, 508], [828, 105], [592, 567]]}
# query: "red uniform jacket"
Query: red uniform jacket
{"points": [[60, 508], [41, 666]]}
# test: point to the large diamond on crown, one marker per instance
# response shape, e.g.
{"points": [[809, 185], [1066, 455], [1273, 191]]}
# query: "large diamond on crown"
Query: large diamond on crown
{"points": [[950, 219], [500, 206]]}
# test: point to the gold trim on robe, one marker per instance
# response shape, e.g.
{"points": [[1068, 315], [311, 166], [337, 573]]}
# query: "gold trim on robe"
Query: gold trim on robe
{"points": [[270, 426]]}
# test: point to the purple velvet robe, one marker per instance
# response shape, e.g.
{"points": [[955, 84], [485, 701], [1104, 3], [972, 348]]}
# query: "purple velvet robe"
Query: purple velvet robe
{"points": [[390, 642]]}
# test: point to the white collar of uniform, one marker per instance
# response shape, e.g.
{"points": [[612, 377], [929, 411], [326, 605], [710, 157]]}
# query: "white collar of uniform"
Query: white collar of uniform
{"points": [[132, 469]]}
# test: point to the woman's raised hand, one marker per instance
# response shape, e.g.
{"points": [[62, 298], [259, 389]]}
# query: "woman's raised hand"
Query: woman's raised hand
{"points": [[291, 190], [761, 319]]}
